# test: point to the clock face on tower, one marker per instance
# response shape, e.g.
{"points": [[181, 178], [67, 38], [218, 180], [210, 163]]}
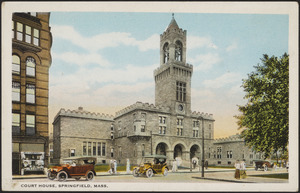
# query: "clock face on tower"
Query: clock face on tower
{"points": [[180, 107]]}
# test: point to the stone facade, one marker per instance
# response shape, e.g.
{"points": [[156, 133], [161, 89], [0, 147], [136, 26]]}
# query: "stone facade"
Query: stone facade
{"points": [[225, 151], [31, 60], [74, 131], [169, 127]]}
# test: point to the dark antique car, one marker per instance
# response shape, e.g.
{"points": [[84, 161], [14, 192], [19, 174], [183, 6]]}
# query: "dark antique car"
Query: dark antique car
{"points": [[263, 164], [150, 165], [74, 167]]}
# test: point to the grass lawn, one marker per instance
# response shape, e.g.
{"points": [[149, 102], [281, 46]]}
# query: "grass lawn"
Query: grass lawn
{"points": [[280, 175]]}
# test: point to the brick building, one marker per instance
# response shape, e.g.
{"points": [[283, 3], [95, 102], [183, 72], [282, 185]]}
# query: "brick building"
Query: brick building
{"points": [[31, 60]]}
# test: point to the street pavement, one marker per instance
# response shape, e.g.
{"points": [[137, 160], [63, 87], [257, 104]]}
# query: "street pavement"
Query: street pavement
{"points": [[210, 175]]}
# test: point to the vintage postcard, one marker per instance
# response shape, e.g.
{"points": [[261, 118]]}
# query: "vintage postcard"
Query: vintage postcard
{"points": [[149, 96]]}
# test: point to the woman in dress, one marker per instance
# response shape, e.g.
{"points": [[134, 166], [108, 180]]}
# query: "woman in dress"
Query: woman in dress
{"points": [[237, 166]]}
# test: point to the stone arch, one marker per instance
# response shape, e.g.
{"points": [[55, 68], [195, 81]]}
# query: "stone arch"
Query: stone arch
{"points": [[167, 145], [161, 148], [178, 50], [195, 150], [179, 149]]}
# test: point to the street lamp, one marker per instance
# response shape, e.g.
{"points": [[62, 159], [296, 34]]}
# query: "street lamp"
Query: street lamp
{"points": [[202, 161]]}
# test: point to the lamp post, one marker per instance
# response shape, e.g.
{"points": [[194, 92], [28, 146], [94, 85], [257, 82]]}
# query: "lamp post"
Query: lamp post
{"points": [[202, 161]]}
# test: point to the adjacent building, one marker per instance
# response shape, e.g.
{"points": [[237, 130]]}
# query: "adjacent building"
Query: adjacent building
{"points": [[31, 60]]}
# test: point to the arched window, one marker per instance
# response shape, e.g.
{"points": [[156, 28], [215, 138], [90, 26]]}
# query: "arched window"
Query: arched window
{"points": [[16, 64], [30, 66], [166, 52], [178, 51]]}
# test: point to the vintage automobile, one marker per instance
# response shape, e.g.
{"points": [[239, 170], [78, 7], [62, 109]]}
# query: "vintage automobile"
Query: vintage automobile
{"points": [[263, 164], [150, 165], [73, 167]]}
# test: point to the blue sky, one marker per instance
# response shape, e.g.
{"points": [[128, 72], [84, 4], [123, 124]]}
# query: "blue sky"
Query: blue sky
{"points": [[104, 61]]}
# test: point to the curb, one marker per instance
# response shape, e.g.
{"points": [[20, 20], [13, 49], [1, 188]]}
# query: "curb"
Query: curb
{"points": [[235, 181]]}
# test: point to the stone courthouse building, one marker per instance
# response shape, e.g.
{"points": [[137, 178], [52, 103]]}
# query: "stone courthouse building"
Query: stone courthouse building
{"points": [[31, 60], [168, 127]]}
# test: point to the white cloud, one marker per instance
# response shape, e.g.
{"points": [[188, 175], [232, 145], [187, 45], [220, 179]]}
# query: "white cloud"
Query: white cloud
{"points": [[198, 42], [204, 61], [223, 80], [81, 58], [231, 47], [105, 40]]}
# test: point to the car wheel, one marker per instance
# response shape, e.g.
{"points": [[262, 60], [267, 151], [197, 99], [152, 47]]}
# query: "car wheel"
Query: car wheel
{"points": [[256, 168], [51, 176], [62, 176], [149, 173], [165, 172], [266, 168], [135, 172], [78, 178], [90, 176]]}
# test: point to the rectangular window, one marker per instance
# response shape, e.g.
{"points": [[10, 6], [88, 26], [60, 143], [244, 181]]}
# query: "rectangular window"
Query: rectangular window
{"points": [[72, 152], [36, 37], [228, 154], [30, 125], [99, 149], [160, 119], [112, 152], [16, 129], [94, 148], [19, 31], [219, 152], [103, 149], [181, 91], [251, 156], [143, 149], [16, 89], [30, 93], [160, 130], [164, 130], [13, 29], [89, 148], [27, 34], [143, 128], [84, 148]]}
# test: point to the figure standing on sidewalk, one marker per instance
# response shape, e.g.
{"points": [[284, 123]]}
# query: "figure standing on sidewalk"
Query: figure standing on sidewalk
{"points": [[174, 166], [237, 166], [128, 167], [243, 169], [115, 165], [206, 164]]}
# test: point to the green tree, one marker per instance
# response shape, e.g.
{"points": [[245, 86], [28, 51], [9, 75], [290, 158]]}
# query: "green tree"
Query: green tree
{"points": [[264, 120]]}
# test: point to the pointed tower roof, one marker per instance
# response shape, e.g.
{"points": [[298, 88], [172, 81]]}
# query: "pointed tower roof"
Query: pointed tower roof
{"points": [[173, 24]]}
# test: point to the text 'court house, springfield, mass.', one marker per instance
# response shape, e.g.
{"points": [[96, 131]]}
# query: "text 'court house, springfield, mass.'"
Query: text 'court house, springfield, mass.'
{"points": [[169, 127]]}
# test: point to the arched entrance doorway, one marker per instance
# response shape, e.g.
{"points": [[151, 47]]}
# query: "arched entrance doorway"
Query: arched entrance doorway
{"points": [[161, 149], [195, 151], [178, 150]]}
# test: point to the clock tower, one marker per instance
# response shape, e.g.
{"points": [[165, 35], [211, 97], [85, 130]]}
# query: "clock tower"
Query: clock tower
{"points": [[173, 77]]}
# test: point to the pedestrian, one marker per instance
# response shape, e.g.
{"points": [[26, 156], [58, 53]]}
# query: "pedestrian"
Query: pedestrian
{"points": [[237, 166], [128, 167], [174, 166], [112, 167], [115, 166], [287, 166], [243, 169], [275, 166], [206, 164]]}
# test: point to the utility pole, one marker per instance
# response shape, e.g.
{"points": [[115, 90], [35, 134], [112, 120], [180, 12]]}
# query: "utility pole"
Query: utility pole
{"points": [[151, 142]]}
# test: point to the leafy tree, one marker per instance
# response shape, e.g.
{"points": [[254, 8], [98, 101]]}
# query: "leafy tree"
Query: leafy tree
{"points": [[264, 120]]}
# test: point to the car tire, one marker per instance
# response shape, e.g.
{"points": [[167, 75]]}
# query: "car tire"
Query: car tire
{"points": [[78, 178], [149, 173], [51, 176], [266, 168], [90, 176], [256, 168], [135, 172], [165, 173], [62, 176]]}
